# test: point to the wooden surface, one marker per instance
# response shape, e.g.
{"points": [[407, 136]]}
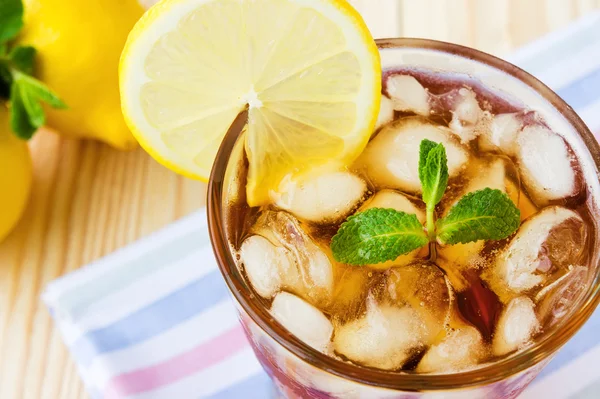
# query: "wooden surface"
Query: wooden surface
{"points": [[89, 199]]}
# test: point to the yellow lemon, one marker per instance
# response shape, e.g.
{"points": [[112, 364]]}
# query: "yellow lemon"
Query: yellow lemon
{"points": [[308, 70], [79, 44], [15, 175]]}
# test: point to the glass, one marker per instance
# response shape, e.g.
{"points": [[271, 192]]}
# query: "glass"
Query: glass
{"points": [[299, 371]]}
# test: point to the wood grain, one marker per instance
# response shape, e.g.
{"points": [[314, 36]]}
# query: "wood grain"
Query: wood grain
{"points": [[89, 199]]}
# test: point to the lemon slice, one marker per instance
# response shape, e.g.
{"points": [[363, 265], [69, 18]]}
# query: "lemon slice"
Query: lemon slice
{"points": [[308, 70]]}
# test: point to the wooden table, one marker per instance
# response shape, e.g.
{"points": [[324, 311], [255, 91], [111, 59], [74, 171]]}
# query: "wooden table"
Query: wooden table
{"points": [[89, 199]]}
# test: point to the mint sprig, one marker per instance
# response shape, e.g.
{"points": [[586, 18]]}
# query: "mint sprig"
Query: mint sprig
{"points": [[378, 235], [25, 93], [481, 215]]}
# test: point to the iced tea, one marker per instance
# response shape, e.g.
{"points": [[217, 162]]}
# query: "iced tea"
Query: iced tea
{"points": [[442, 308]]}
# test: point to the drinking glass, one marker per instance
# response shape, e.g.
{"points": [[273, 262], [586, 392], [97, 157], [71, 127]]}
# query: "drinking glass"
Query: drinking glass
{"points": [[299, 371]]}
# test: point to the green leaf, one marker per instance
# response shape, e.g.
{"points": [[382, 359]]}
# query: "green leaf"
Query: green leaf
{"points": [[19, 118], [433, 172], [32, 105], [40, 91], [11, 19], [481, 215], [424, 148], [26, 95], [23, 58], [377, 235]]}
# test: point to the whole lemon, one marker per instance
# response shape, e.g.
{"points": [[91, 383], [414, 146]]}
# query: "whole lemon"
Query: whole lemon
{"points": [[16, 174], [79, 44]]}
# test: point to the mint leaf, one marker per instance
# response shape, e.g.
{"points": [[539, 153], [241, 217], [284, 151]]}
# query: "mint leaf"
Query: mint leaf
{"points": [[20, 122], [424, 148], [40, 91], [481, 215], [433, 172], [26, 95], [31, 104], [377, 235], [23, 57], [11, 19]]}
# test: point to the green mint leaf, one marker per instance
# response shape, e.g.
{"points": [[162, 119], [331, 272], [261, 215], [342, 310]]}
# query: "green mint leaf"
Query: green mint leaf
{"points": [[377, 235], [433, 172], [23, 58], [11, 19], [26, 95], [40, 91], [3, 48], [32, 105], [20, 122], [481, 215], [424, 148]]}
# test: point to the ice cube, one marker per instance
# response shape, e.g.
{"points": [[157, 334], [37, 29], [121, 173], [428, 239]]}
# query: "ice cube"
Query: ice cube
{"points": [[303, 320], [462, 254], [545, 164], [310, 272], [408, 94], [386, 112], [349, 291], [423, 287], [549, 240], [263, 263], [385, 337], [391, 159], [492, 175], [318, 270], [516, 326], [556, 299], [394, 200], [519, 197], [564, 245], [466, 115], [327, 197], [501, 134], [460, 349]]}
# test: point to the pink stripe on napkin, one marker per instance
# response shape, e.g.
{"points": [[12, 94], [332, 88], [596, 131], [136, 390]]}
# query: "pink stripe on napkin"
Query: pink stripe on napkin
{"points": [[178, 367]]}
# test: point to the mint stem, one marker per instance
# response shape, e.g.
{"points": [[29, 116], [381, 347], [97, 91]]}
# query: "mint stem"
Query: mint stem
{"points": [[432, 251], [431, 233], [431, 223]]}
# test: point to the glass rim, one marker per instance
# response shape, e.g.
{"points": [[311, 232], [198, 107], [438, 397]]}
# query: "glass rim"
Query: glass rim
{"points": [[492, 372]]}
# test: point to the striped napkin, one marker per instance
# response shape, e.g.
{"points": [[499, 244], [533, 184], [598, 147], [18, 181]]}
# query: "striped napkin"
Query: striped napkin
{"points": [[154, 319]]}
